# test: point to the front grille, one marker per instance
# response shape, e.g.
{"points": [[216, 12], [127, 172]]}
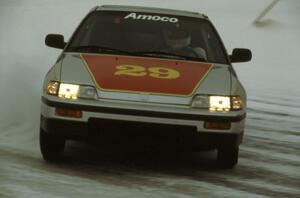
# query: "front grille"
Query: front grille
{"points": [[141, 133]]}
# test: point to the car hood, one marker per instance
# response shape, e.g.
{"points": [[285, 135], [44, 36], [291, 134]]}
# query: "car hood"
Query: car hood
{"points": [[145, 79]]}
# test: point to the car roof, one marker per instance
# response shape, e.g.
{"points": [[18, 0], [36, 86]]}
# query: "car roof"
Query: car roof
{"points": [[150, 10]]}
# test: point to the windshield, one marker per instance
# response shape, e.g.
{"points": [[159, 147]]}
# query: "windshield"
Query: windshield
{"points": [[146, 34]]}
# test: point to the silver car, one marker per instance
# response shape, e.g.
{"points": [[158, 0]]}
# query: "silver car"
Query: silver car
{"points": [[144, 77]]}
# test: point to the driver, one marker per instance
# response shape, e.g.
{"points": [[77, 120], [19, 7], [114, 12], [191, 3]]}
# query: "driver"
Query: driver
{"points": [[178, 42]]}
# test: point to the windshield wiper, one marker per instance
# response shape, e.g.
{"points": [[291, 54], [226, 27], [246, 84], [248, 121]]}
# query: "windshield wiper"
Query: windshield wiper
{"points": [[95, 48], [158, 54], [168, 55]]}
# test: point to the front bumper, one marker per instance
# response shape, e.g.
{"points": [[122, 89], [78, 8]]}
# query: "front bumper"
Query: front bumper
{"points": [[114, 126]]}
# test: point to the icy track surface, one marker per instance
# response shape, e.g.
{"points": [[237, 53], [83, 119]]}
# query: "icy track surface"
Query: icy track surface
{"points": [[269, 163]]}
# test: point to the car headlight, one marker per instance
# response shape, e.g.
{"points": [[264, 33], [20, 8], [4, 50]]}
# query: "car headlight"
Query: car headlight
{"points": [[237, 103], [68, 91], [52, 88], [218, 103], [200, 101], [87, 92], [71, 91]]}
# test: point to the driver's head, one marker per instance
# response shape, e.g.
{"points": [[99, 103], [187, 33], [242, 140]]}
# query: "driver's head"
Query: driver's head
{"points": [[177, 38]]}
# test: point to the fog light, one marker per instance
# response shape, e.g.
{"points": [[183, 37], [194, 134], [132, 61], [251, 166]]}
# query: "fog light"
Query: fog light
{"points": [[68, 113], [217, 125]]}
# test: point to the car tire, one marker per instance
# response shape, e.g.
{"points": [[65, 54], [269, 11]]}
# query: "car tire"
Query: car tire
{"points": [[51, 146], [228, 157]]}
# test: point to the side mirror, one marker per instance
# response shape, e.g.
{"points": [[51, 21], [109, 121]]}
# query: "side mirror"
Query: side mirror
{"points": [[240, 55], [55, 40]]}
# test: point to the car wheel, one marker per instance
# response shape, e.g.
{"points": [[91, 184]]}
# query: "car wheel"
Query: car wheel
{"points": [[51, 146], [228, 157]]}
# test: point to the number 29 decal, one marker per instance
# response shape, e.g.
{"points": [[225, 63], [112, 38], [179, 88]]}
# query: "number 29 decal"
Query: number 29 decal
{"points": [[139, 71]]}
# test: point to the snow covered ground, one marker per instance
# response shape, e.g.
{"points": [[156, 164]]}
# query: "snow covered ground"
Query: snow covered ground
{"points": [[269, 163]]}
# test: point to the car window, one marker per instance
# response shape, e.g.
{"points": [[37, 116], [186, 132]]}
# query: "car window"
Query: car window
{"points": [[135, 32]]}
